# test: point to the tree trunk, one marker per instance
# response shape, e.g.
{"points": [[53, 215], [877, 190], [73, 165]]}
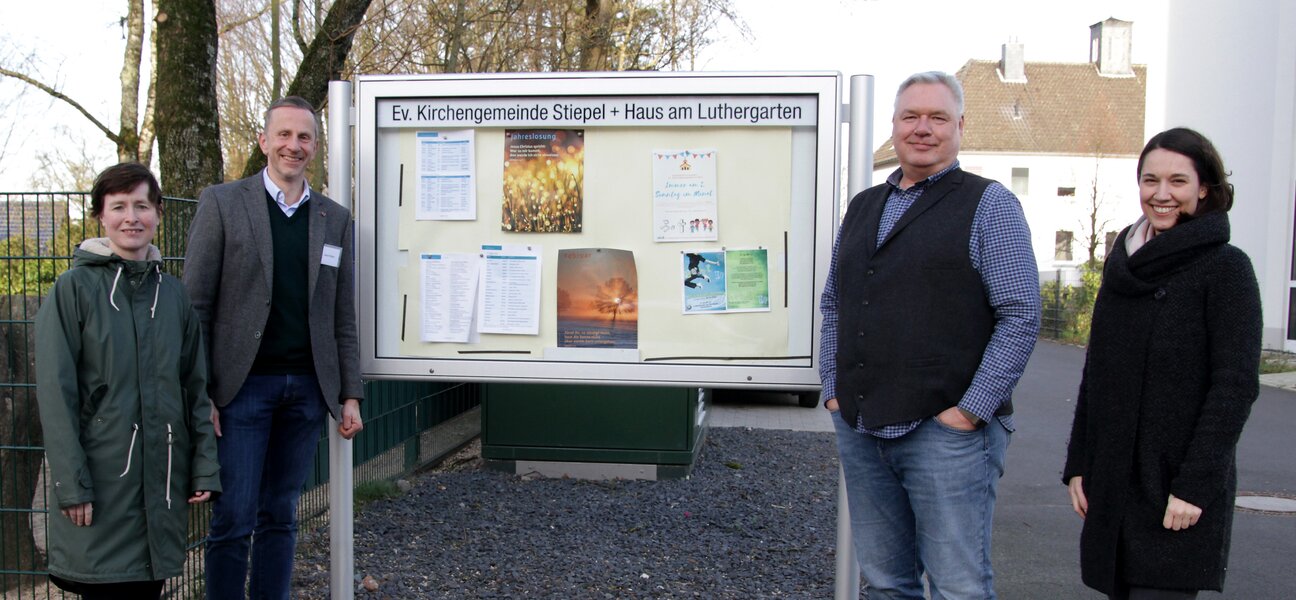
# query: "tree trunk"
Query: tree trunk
{"points": [[454, 39], [146, 135], [188, 131], [322, 62], [20, 435], [128, 128], [596, 37]]}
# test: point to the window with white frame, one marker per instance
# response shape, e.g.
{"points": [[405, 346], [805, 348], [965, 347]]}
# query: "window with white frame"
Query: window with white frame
{"points": [[1062, 243]]}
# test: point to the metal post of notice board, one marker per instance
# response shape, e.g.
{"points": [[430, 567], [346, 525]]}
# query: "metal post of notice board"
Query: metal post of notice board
{"points": [[341, 517], [859, 176]]}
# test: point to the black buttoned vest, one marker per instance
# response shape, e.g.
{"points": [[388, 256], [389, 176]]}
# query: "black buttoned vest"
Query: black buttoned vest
{"points": [[914, 319]]}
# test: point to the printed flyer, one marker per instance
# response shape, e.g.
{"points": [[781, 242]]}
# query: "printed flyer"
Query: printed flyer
{"points": [[725, 281], [449, 290], [684, 196], [509, 289], [446, 190], [597, 299], [544, 175]]}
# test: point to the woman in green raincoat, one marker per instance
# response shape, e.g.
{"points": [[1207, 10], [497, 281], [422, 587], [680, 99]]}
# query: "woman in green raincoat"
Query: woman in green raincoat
{"points": [[121, 380]]}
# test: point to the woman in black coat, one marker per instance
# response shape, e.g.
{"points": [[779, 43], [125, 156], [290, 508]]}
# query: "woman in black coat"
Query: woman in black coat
{"points": [[1171, 371]]}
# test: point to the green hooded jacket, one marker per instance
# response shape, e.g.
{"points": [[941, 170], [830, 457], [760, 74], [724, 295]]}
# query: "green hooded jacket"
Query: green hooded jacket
{"points": [[121, 379]]}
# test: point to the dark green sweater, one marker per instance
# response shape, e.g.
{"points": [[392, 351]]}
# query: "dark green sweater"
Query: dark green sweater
{"points": [[285, 344]]}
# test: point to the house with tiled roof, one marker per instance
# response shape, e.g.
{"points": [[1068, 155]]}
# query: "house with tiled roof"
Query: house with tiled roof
{"points": [[1065, 137]]}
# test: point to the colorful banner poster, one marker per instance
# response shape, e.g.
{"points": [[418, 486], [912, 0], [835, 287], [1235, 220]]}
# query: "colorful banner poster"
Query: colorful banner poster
{"points": [[446, 190], [544, 180], [684, 196], [598, 299], [725, 281]]}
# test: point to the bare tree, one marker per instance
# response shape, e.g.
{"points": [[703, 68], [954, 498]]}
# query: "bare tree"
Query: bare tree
{"points": [[1094, 225], [64, 170], [486, 36], [412, 36], [129, 136], [7, 136], [243, 77], [323, 60]]}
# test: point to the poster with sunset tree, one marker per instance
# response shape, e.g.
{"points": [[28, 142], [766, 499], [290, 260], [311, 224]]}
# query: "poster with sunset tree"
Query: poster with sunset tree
{"points": [[598, 298]]}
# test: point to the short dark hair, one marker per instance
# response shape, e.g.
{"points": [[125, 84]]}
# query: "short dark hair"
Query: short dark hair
{"points": [[1206, 160], [122, 178], [291, 102]]}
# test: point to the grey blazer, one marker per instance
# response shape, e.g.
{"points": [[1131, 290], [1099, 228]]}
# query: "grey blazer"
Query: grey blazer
{"points": [[229, 270]]}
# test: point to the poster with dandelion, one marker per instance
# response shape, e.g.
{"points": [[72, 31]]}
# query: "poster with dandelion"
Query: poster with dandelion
{"points": [[544, 180]]}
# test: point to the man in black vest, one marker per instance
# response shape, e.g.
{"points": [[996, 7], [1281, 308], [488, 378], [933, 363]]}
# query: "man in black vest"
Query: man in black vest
{"points": [[930, 313], [270, 270]]}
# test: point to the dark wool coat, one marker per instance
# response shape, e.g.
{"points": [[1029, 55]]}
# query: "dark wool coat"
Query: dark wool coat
{"points": [[1170, 374]]}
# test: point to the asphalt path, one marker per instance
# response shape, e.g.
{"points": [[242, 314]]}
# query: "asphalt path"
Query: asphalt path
{"points": [[1036, 543]]}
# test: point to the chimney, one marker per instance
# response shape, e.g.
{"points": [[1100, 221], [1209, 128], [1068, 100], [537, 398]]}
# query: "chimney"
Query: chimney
{"points": [[1109, 47], [1012, 67]]}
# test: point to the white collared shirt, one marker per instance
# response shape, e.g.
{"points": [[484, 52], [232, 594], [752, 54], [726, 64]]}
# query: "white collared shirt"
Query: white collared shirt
{"points": [[279, 196]]}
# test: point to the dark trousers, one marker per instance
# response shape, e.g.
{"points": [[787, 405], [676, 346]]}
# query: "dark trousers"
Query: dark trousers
{"points": [[270, 430], [1141, 593], [125, 590]]}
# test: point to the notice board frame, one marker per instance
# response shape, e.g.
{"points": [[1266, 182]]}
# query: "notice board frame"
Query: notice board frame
{"points": [[376, 253]]}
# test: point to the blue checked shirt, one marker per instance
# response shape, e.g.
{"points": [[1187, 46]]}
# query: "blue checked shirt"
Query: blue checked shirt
{"points": [[1000, 250]]}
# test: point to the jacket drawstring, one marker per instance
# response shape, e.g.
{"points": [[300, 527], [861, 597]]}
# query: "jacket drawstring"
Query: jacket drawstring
{"points": [[157, 290], [168, 479], [113, 291], [130, 451]]}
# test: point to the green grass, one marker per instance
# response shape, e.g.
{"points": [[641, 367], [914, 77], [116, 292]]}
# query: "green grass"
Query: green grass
{"points": [[1270, 365], [370, 491]]}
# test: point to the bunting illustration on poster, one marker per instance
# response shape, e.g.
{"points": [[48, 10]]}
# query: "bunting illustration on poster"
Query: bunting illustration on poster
{"points": [[684, 195], [725, 281], [598, 298], [544, 175]]}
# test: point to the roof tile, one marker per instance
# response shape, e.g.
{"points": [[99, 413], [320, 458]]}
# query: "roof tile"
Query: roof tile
{"points": [[1063, 108]]}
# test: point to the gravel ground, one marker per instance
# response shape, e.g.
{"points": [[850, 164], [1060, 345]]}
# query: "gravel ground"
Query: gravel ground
{"points": [[756, 520]]}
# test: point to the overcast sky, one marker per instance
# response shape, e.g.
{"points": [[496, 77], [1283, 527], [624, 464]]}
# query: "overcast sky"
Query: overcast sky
{"points": [[80, 51]]}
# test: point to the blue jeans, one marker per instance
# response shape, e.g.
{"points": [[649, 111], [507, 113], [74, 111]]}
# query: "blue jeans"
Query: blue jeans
{"points": [[267, 447], [923, 502]]}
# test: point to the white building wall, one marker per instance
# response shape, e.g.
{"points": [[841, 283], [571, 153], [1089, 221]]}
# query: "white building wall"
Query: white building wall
{"points": [[1231, 74], [1047, 212]]}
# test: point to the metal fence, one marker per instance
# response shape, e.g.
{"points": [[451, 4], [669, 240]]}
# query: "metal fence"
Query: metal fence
{"points": [[407, 424], [1067, 309]]}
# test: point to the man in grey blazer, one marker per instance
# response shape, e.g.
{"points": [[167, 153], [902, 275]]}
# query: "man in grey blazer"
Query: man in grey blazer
{"points": [[269, 268]]}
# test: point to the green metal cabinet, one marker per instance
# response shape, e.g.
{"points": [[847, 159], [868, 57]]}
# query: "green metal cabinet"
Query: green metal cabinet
{"points": [[593, 424]]}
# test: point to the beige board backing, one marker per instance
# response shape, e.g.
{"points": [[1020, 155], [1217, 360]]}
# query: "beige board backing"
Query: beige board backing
{"points": [[753, 176]]}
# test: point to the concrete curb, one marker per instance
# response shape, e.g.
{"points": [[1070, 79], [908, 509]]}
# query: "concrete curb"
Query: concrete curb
{"points": [[1280, 380]]}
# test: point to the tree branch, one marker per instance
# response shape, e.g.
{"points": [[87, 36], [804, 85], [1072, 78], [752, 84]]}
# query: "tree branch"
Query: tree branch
{"points": [[232, 25], [116, 139], [296, 26]]}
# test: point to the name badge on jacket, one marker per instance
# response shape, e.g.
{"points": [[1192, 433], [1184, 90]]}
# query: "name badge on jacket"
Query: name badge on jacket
{"points": [[332, 255]]}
